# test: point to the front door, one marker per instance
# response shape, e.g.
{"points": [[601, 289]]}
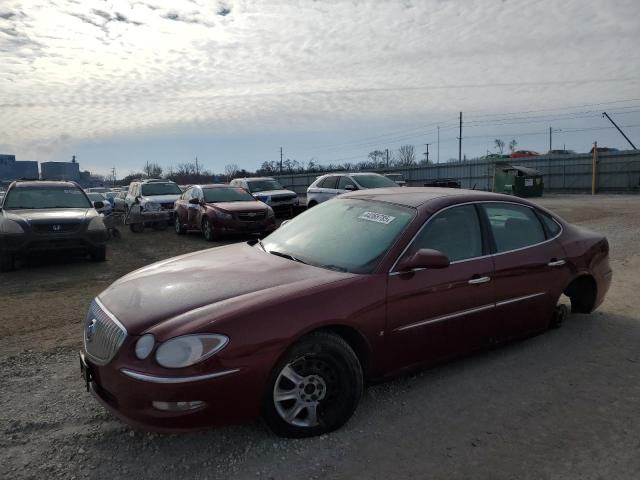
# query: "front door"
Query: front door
{"points": [[438, 313]]}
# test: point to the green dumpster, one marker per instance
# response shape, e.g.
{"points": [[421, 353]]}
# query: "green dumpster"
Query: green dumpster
{"points": [[518, 180]]}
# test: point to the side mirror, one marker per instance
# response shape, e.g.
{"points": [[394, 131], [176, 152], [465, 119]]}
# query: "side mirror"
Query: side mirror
{"points": [[350, 187], [423, 258], [194, 201]]}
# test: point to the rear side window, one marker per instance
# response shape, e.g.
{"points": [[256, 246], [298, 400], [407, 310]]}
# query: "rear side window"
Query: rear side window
{"points": [[455, 232], [329, 182], [513, 226], [550, 224]]}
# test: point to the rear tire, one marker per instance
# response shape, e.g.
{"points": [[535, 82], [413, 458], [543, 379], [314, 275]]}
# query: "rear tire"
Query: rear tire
{"points": [[7, 262], [314, 388], [179, 229], [99, 254]]}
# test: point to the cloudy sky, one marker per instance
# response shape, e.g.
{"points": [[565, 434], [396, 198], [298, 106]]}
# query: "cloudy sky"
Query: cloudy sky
{"points": [[119, 83]]}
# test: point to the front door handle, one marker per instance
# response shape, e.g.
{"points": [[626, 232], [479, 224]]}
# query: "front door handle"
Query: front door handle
{"points": [[556, 263], [476, 281]]}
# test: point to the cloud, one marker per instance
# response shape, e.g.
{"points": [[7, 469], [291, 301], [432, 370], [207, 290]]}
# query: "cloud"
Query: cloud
{"points": [[167, 67]]}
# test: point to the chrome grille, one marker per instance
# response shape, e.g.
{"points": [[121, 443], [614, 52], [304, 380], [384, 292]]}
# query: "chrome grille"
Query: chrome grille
{"points": [[251, 216], [103, 334]]}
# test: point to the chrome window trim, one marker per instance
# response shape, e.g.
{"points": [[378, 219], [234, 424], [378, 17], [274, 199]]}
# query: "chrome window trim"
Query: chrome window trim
{"points": [[475, 202], [144, 377], [468, 311]]}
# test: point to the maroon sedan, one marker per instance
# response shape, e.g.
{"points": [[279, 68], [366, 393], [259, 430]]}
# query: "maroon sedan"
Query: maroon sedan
{"points": [[359, 288], [218, 210]]}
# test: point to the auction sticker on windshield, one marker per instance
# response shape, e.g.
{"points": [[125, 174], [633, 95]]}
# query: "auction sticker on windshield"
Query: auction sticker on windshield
{"points": [[377, 217]]}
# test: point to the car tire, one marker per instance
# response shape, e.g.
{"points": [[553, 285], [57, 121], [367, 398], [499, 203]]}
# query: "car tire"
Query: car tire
{"points": [[312, 203], [99, 254], [314, 388], [136, 227], [207, 230], [179, 229], [7, 262]]}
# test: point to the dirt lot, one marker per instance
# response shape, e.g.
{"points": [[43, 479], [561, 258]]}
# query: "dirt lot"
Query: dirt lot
{"points": [[565, 404]]}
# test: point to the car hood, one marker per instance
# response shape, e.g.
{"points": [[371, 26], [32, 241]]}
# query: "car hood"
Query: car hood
{"points": [[212, 281], [248, 206], [271, 193], [161, 198], [44, 215]]}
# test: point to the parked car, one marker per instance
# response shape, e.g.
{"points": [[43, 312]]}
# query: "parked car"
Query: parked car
{"points": [[397, 178], [99, 198], [605, 149], [269, 191], [561, 152], [109, 196], [120, 202], [218, 210], [354, 290], [49, 216], [154, 195], [524, 153], [97, 190], [328, 186]]}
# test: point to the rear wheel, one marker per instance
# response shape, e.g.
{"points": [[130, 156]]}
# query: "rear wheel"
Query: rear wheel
{"points": [[99, 254], [312, 203], [180, 230], [315, 388], [207, 230], [7, 262]]}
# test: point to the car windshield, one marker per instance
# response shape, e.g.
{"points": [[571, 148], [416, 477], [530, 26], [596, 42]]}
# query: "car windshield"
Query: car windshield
{"points": [[347, 235], [150, 189], [374, 181], [263, 185], [226, 194], [45, 197]]}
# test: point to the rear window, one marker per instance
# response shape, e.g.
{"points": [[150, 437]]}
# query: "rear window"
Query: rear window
{"points": [[551, 225], [45, 197]]}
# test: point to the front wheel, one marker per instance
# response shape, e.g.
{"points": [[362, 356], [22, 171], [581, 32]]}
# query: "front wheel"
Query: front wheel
{"points": [[315, 388], [180, 230], [207, 230]]}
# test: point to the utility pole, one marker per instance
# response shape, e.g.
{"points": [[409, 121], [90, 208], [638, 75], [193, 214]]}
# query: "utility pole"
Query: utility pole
{"points": [[280, 160], [460, 141], [438, 143], [387, 150], [604, 114], [197, 167], [550, 140], [113, 175], [427, 152]]}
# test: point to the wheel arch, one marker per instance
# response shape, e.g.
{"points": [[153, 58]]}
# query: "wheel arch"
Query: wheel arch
{"points": [[582, 290]]}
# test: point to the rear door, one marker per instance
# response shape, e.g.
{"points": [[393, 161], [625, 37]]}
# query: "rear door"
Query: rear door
{"points": [[530, 268], [438, 313]]}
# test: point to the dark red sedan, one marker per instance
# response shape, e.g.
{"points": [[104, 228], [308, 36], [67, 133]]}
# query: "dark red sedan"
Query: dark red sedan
{"points": [[359, 288], [219, 210]]}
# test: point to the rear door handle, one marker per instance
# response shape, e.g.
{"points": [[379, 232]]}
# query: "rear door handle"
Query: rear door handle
{"points": [[476, 281], [556, 263]]}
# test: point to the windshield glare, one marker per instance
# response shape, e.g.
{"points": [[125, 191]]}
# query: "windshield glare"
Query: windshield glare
{"points": [[150, 189], [349, 235], [374, 181], [263, 185], [218, 195], [46, 197]]}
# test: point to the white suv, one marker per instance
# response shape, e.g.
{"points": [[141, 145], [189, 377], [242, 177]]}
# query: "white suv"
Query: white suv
{"points": [[153, 195], [328, 186], [269, 191]]}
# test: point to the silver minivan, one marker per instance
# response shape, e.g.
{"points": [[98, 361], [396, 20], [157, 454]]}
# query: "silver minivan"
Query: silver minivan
{"points": [[328, 186]]}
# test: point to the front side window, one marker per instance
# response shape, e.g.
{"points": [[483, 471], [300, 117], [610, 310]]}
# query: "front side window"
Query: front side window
{"points": [[348, 235], [263, 185], [344, 181], [455, 232], [513, 226], [150, 189], [45, 197], [374, 181], [227, 194]]}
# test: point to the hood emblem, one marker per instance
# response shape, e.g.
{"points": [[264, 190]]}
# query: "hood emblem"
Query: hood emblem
{"points": [[90, 330], [57, 228], [251, 214]]}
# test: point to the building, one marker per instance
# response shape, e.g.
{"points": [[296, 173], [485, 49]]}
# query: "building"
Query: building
{"points": [[60, 171], [7, 163], [10, 169]]}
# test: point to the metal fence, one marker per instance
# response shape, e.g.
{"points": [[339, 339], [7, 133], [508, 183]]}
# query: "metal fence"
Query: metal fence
{"points": [[615, 172]]}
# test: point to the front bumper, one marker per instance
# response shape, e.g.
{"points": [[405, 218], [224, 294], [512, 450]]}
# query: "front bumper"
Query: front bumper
{"points": [[237, 227]]}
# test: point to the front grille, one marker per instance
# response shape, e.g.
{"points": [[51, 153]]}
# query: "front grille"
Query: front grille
{"points": [[279, 198], [56, 227], [103, 334], [251, 216]]}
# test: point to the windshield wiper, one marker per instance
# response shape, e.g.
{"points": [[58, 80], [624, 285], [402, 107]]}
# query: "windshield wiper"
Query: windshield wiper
{"points": [[286, 255]]}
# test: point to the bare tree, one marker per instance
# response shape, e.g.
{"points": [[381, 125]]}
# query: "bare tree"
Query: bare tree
{"points": [[512, 145], [152, 170], [499, 145], [377, 157], [406, 156], [230, 171]]}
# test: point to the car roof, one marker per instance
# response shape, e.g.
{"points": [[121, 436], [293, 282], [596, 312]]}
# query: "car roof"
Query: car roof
{"points": [[417, 196], [354, 174], [43, 184], [257, 178], [214, 185]]}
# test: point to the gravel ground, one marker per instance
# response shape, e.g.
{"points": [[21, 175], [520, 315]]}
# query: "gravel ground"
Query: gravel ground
{"points": [[561, 405]]}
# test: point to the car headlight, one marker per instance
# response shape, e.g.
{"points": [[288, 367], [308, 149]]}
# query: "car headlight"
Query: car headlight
{"points": [[10, 226], [151, 207], [189, 349], [96, 223], [144, 345]]}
